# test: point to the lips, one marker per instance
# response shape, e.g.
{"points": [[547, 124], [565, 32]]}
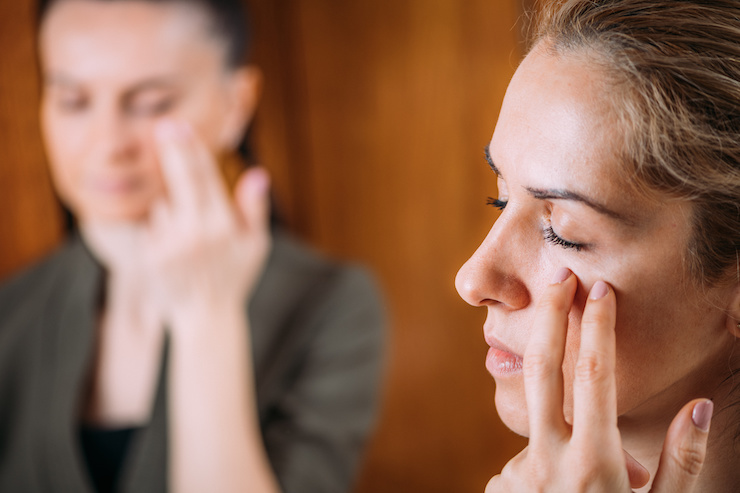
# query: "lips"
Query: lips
{"points": [[501, 361], [113, 186]]}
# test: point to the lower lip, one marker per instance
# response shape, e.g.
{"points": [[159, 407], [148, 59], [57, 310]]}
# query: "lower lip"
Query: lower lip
{"points": [[502, 364], [114, 186]]}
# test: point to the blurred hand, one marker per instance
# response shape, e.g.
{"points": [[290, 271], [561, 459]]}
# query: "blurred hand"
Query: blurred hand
{"points": [[205, 252], [588, 456]]}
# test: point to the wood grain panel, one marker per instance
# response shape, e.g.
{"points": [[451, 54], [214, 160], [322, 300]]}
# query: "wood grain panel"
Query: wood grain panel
{"points": [[393, 105], [31, 222]]}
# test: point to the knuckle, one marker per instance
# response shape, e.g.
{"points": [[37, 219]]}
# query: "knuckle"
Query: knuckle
{"points": [[689, 458], [591, 367], [538, 365], [596, 318], [552, 302]]}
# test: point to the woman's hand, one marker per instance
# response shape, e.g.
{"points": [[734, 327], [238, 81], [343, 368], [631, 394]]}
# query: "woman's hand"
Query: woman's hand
{"points": [[206, 252], [588, 456]]}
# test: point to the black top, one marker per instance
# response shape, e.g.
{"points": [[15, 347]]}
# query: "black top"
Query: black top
{"points": [[104, 451]]}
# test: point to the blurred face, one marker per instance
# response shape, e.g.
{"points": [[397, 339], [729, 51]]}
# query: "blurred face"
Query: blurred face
{"points": [[565, 205], [113, 69]]}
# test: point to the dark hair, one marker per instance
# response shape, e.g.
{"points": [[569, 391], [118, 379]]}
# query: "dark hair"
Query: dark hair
{"points": [[229, 21], [674, 71]]}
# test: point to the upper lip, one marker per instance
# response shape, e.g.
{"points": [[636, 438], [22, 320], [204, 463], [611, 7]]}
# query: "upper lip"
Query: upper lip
{"points": [[496, 344]]}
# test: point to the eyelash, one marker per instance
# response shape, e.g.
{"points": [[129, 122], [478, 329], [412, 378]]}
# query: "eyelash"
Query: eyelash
{"points": [[498, 204], [553, 238], [550, 235]]}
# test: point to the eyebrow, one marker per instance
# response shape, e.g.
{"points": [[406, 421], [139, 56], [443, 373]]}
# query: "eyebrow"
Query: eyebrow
{"points": [[559, 194], [156, 82], [489, 160]]}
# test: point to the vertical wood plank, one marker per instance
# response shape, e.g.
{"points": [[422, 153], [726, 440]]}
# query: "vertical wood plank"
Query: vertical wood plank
{"points": [[31, 223], [397, 101]]}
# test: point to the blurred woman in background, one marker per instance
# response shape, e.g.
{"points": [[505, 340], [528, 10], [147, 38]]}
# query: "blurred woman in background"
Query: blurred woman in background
{"points": [[175, 341]]}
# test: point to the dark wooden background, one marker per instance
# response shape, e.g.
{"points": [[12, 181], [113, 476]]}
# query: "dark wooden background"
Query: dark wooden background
{"points": [[373, 122]]}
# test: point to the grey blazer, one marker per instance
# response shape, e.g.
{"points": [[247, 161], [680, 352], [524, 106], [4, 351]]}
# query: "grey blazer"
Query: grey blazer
{"points": [[317, 336]]}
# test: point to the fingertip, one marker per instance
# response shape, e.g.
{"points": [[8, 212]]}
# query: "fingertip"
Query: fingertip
{"points": [[561, 275], [251, 195], [684, 448], [259, 179], [253, 184], [701, 415], [598, 290]]}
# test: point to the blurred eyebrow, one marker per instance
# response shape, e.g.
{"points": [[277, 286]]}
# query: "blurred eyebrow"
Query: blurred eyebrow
{"points": [[57, 80], [153, 83], [156, 82]]}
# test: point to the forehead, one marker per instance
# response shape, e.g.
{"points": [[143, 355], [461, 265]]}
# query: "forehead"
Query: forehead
{"points": [[89, 39], [557, 126]]}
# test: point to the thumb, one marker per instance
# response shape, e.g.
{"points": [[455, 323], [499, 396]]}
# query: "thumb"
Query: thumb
{"points": [[684, 449], [252, 198]]}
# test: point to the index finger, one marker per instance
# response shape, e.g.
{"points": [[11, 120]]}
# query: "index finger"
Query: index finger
{"points": [[594, 387], [189, 170], [543, 360]]}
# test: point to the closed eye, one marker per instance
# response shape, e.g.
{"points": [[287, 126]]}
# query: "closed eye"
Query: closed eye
{"points": [[553, 238]]}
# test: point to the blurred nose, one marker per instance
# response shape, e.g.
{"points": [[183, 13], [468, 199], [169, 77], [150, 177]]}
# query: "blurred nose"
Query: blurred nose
{"points": [[113, 137], [493, 274]]}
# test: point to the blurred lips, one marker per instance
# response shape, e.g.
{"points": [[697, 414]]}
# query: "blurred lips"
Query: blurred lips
{"points": [[500, 360], [113, 186]]}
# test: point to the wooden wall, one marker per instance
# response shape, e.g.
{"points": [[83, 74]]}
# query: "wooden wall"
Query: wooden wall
{"points": [[31, 222], [377, 113], [374, 118]]}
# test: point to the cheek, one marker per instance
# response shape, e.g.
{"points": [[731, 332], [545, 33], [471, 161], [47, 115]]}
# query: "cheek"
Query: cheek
{"points": [[64, 150], [206, 110]]}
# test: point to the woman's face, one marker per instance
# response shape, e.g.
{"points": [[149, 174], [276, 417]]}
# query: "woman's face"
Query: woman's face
{"points": [[110, 71], [554, 151]]}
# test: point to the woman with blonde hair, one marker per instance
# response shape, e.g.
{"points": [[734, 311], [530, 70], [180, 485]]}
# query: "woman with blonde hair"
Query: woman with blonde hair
{"points": [[612, 277]]}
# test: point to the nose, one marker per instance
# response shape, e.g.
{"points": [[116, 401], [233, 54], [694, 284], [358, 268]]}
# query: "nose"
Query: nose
{"points": [[493, 274], [112, 138]]}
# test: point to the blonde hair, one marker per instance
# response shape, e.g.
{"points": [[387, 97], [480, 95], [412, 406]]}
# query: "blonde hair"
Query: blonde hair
{"points": [[674, 68]]}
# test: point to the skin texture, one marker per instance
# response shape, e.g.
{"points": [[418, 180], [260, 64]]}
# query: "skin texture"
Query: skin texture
{"points": [[137, 106], [674, 339]]}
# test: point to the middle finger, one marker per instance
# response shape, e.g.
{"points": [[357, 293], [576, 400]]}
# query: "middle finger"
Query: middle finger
{"points": [[543, 360]]}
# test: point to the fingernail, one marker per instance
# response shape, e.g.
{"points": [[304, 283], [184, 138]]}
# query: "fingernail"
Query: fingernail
{"points": [[702, 414], [599, 290], [259, 179], [561, 275]]}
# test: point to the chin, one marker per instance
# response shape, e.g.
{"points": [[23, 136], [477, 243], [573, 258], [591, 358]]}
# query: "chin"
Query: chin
{"points": [[511, 406]]}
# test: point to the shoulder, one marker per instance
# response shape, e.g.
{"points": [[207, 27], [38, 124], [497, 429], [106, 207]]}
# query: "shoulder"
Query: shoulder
{"points": [[316, 293], [22, 287], [296, 270], [25, 296]]}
